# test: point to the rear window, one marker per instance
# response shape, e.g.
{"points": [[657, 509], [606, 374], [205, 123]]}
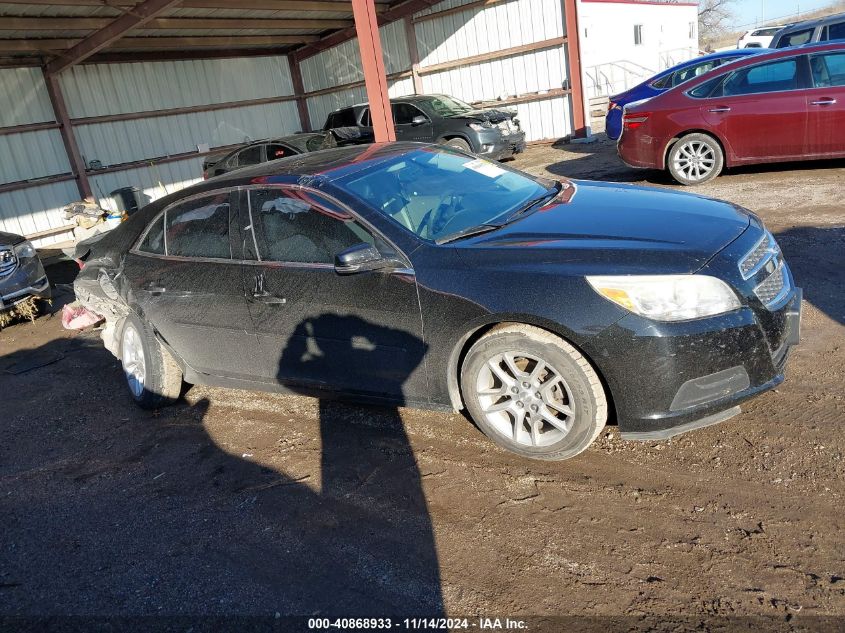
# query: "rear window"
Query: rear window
{"points": [[685, 74], [154, 240], [796, 38], [834, 32], [662, 82], [765, 32], [343, 118]]}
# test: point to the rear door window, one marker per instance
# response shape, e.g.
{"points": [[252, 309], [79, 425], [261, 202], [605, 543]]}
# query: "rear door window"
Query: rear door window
{"points": [[250, 156], [828, 70], [342, 118], [685, 74], [366, 119], [276, 151], [796, 38], [199, 228], [834, 32], [775, 76]]}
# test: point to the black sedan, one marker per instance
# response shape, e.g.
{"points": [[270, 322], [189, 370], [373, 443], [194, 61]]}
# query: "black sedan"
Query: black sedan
{"points": [[420, 275], [265, 150]]}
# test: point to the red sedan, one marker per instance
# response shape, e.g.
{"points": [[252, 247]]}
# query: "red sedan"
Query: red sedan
{"points": [[780, 106]]}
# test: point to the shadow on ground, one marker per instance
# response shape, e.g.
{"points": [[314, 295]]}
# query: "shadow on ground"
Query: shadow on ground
{"points": [[599, 161], [110, 510]]}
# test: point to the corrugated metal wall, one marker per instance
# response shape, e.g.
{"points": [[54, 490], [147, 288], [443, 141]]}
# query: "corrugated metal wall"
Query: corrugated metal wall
{"points": [[23, 97], [492, 28], [475, 31], [36, 209], [117, 89], [342, 65], [100, 89], [30, 155]]}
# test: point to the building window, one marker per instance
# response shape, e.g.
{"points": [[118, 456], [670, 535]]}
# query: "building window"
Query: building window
{"points": [[692, 30], [638, 34]]}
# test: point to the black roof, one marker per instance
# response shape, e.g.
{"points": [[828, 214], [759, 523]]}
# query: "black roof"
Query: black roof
{"points": [[317, 163]]}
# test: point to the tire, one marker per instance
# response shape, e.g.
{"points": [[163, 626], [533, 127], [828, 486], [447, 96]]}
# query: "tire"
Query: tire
{"points": [[159, 381], [567, 381], [695, 158], [458, 143]]}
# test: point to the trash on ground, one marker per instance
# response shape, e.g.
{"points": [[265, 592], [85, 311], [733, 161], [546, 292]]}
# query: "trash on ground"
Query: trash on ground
{"points": [[75, 316]]}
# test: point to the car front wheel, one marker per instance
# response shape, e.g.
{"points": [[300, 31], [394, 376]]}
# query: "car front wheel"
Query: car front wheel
{"points": [[533, 393], [458, 143], [695, 159], [154, 378]]}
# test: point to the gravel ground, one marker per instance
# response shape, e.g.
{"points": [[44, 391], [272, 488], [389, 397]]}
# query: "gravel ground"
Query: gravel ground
{"points": [[236, 502]]}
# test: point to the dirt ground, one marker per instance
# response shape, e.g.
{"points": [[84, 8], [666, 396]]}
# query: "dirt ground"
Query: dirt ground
{"points": [[247, 503]]}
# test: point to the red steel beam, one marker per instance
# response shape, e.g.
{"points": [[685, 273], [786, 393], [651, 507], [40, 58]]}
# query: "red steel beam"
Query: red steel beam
{"points": [[57, 100], [137, 17], [299, 91], [573, 57], [372, 63]]}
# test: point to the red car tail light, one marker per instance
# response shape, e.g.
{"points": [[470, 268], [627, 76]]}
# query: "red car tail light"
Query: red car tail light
{"points": [[635, 119]]}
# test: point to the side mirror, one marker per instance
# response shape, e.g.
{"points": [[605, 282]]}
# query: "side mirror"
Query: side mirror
{"points": [[419, 120], [363, 258]]}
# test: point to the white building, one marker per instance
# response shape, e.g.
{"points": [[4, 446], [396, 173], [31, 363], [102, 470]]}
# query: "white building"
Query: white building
{"points": [[626, 41]]}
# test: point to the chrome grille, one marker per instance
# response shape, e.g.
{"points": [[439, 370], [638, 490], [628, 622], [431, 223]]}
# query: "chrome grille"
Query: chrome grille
{"points": [[773, 287], [8, 262], [765, 250]]}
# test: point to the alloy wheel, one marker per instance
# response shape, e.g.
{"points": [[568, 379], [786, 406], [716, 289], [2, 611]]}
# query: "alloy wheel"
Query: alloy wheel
{"points": [[525, 399], [134, 363], [694, 160]]}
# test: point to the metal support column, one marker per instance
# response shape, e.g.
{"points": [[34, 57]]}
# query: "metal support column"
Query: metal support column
{"points": [[372, 62]]}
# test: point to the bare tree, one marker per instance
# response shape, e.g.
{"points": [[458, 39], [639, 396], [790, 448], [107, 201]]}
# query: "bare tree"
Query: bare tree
{"points": [[714, 19]]}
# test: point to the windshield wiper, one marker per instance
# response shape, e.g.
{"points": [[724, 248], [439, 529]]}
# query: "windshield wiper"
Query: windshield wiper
{"points": [[467, 232], [525, 208]]}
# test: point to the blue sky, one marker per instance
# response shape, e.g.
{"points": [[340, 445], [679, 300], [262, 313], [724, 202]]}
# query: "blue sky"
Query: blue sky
{"points": [[748, 12]]}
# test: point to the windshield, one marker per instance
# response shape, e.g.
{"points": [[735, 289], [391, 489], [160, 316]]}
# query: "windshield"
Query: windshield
{"points": [[447, 106], [436, 193]]}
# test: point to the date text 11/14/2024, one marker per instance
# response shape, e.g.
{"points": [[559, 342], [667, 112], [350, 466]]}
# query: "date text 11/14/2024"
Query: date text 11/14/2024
{"points": [[418, 624]]}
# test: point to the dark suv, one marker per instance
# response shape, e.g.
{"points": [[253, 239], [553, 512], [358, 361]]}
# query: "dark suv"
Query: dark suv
{"points": [[488, 132], [826, 29]]}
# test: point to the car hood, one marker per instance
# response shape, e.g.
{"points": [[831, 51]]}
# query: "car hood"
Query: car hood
{"points": [[486, 114], [607, 228]]}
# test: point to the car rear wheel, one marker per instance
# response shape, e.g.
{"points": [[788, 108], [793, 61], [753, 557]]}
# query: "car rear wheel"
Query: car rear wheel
{"points": [[695, 158], [458, 143], [533, 393], [153, 376]]}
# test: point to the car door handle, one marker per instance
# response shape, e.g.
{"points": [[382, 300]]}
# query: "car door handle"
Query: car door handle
{"points": [[154, 288], [720, 109], [823, 102], [267, 298]]}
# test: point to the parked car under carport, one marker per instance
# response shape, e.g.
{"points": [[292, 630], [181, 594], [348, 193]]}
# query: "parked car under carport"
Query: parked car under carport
{"points": [[22, 276]]}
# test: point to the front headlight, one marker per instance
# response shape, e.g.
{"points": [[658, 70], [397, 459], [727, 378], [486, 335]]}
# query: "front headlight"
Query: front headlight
{"points": [[668, 297], [25, 250], [481, 126]]}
